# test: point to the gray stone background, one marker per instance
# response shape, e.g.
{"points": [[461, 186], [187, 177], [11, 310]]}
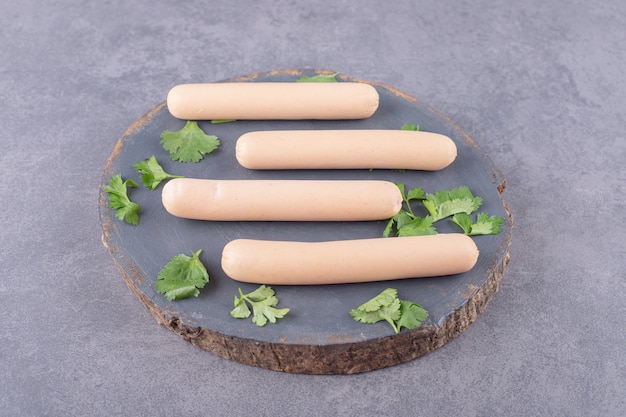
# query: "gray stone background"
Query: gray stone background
{"points": [[539, 85]]}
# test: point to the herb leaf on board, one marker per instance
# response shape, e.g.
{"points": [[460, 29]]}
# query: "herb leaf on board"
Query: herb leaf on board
{"points": [[117, 191], [319, 78], [388, 307], [410, 126], [484, 225], [152, 173], [263, 302], [189, 144], [182, 277], [445, 203]]}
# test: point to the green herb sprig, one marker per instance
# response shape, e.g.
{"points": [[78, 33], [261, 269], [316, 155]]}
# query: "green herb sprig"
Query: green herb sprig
{"points": [[182, 277], [117, 191], [263, 302], [189, 144], [319, 78], [388, 307], [152, 173], [410, 126], [457, 202], [484, 224]]}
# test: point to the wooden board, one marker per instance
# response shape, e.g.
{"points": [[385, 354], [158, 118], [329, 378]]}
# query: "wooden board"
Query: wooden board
{"points": [[318, 336]]}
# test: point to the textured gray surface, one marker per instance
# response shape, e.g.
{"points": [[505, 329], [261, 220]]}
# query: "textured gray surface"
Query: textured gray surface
{"points": [[538, 85]]}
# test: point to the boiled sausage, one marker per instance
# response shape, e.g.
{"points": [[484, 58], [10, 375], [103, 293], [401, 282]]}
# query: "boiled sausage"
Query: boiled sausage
{"points": [[281, 200], [345, 149], [272, 101], [348, 261]]}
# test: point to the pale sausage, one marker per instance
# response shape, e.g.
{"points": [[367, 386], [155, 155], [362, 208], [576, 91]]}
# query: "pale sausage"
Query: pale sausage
{"points": [[272, 101], [348, 261], [345, 149], [281, 200]]}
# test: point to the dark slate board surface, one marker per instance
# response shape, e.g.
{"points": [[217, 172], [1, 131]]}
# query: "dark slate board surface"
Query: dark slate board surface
{"points": [[319, 314]]}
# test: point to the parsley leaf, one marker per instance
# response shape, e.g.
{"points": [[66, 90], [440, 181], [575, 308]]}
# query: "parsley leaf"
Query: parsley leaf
{"points": [[118, 199], [414, 194], [411, 315], [152, 173], [263, 302], [484, 225], [417, 227], [385, 298], [390, 313], [182, 277], [410, 126], [457, 202], [387, 306], [405, 222], [320, 78], [463, 220], [189, 144], [219, 121], [445, 203], [394, 223], [403, 218], [241, 310]]}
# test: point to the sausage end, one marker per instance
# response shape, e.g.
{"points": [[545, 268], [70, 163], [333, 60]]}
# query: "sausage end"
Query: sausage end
{"points": [[372, 101], [176, 101]]}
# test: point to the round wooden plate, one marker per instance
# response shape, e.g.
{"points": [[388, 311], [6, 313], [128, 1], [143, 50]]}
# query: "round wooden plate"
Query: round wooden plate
{"points": [[318, 336]]}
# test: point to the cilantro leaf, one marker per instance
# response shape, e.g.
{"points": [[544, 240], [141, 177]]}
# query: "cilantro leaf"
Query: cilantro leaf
{"points": [[457, 202], [152, 173], [219, 121], [388, 307], [265, 310], [445, 203], [415, 194], [241, 310], [118, 199], [412, 315], [407, 219], [484, 225], [463, 220], [400, 219], [182, 277], [320, 78], [385, 298], [189, 144], [410, 126], [403, 218], [389, 226], [263, 302], [389, 312], [417, 227]]}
